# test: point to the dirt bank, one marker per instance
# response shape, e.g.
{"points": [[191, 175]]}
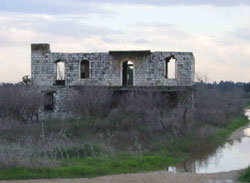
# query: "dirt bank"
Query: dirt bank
{"points": [[239, 133], [152, 177]]}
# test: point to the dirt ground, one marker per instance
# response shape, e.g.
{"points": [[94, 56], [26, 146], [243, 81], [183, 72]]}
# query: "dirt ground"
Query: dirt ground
{"points": [[155, 177], [152, 177]]}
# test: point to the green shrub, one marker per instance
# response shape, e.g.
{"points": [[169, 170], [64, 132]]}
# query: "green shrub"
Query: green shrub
{"points": [[245, 175]]}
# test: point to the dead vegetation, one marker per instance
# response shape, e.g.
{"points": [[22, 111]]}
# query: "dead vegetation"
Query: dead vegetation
{"points": [[19, 102], [136, 121]]}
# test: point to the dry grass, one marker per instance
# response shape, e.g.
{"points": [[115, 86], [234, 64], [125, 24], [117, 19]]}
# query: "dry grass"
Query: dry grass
{"points": [[136, 122]]}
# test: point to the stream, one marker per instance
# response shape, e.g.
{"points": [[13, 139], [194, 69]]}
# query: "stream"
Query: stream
{"points": [[233, 155]]}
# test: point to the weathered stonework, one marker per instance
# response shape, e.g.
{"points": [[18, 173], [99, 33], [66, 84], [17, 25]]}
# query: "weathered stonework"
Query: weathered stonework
{"points": [[105, 69], [60, 111]]}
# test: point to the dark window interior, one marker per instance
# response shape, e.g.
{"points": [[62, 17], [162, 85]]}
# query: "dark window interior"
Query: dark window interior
{"points": [[166, 62], [49, 101], [84, 69], [60, 82]]}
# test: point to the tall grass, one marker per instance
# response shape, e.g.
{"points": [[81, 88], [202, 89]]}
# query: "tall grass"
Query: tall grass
{"points": [[116, 133]]}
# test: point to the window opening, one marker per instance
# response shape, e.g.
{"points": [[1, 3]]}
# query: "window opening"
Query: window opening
{"points": [[84, 69], [49, 101], [60, 70], [60, 73], [170, 67]]}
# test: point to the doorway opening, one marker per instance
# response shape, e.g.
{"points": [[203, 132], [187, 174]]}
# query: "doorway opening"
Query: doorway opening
{"points": [[127, 73]]}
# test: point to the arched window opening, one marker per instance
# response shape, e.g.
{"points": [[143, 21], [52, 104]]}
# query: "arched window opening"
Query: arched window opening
{"points": [[60, 73], [60, 70], [127, 73], [84, 68], [170, 67]]}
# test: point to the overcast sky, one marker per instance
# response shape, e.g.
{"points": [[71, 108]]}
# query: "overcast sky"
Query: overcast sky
{"points": [[216, 31]]}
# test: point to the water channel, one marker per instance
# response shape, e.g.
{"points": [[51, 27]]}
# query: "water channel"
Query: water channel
{"points": [[233, 155]]}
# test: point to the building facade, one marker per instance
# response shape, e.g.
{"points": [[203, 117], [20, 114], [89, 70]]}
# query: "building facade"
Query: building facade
{"points": [[113, 68], [55, 73]]}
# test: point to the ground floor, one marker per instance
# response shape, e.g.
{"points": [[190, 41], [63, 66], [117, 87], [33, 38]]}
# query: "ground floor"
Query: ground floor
{"points": [[56, 97]]}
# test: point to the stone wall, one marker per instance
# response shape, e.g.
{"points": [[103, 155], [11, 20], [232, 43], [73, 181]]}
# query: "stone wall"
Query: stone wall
{"points": [[106, 68], [149, 69], [61, 99]]}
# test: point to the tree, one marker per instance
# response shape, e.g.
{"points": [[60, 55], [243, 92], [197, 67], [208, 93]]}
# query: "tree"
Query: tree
{"points": [[25, 80]]}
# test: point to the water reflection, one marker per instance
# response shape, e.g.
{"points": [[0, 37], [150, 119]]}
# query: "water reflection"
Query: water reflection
{"points": [[234, 155], [247, 113], [247, 132]]}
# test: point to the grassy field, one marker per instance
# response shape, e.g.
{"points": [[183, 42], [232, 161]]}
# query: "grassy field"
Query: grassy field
{"points": [[92, 167], [168, 155]]}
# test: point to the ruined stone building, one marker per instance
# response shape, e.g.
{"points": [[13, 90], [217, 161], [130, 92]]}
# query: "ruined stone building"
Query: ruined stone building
{"points": [[55, 72]]}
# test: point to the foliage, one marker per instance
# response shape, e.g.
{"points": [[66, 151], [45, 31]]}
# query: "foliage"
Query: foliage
{"points": [[133, 131], [90, 101], [19, 102], [65, 158], [25, 81], [247, 87], [90, 167], [245, 175]]}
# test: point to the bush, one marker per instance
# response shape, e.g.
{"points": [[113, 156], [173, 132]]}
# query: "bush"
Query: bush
{"points": [[135, 121], [19, 102], [245, 175], [216, 107], [91, 101]]}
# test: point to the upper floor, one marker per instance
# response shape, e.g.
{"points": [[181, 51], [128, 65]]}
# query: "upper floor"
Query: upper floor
{"points": [[113, 68]]}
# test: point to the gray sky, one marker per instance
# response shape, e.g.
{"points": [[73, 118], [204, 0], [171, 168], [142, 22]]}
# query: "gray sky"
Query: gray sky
{"points": [[216, 31]]}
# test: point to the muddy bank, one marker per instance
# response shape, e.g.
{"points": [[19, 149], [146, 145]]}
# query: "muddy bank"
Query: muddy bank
{"points": [[241, 132]]}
